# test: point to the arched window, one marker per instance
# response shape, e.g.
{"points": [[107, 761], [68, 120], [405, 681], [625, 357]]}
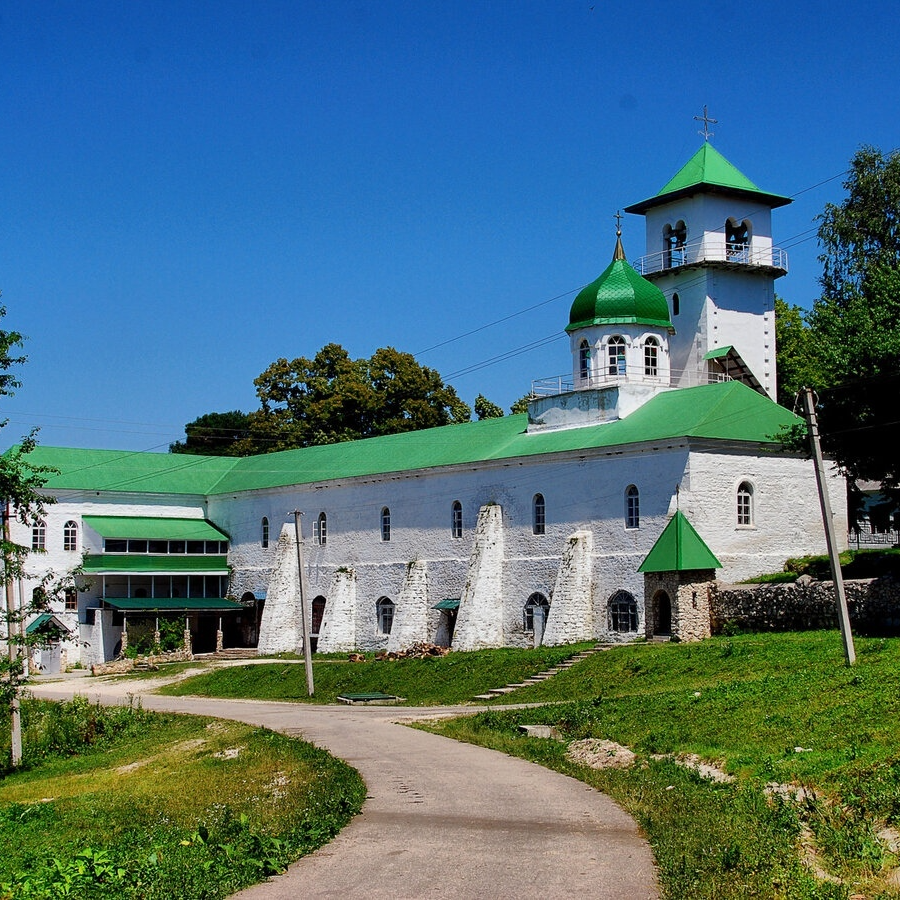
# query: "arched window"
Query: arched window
{"points": [[651, 357], [745, 503], [456, 519], [737, 240], [385, 524], [322, 529], [632, 507], [384, 613], [676, 304], [584, 361], [536, 601], [621, 612], [616, 350], [538, 514], [264, 533], [70, 536], [674, 239], [39, 536]]}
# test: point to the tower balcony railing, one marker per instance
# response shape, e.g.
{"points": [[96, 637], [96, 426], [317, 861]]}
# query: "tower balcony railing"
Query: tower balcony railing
{"points": [[712, 251], [565, 384]]}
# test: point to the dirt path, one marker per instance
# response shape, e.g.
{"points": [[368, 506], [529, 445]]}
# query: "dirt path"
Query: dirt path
{"points": [[443, 819]]}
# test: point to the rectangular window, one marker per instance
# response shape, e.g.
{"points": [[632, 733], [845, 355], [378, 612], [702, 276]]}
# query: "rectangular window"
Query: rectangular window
{"points": [[71, 599], [115, 545], [39, 537], [158, 546], [137, 546]]}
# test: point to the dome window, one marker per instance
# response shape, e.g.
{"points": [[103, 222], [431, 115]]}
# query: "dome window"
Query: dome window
{"points": [[616, 352]]}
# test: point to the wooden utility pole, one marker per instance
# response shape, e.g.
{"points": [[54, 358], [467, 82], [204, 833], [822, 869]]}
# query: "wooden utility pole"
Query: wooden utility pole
{"points": [[304, 593], [14, 711], [809, 407]]}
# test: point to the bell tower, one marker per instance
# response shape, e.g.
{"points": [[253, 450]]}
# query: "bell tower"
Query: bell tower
{"points": [[710, 252]]}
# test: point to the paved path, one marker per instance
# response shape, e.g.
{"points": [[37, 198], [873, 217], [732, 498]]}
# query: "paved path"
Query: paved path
{"points": [[442, 819]]}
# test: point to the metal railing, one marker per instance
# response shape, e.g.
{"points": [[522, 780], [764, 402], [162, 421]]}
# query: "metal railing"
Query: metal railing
{"points": [[564, 384], [864, 536], [711, 251]]}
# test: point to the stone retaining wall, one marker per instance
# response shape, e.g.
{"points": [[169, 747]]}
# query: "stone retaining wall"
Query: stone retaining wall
{"points": [[873, 603]]}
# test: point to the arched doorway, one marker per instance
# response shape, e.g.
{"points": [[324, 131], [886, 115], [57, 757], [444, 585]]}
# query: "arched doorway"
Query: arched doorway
{"points": [[534, 617], [662, 614]]}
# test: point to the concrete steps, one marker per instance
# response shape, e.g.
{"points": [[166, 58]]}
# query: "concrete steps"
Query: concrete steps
{"points": [[568, 663]]}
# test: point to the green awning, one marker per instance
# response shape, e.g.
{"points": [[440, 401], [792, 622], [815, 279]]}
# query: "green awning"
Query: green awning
{"points": [[154, 529], [173, 604], [149, 564], [718, 352], [447, 604]]}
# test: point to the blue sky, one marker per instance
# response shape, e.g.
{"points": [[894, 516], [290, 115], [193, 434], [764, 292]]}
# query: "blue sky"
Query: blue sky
{"points": [[192, 190]]}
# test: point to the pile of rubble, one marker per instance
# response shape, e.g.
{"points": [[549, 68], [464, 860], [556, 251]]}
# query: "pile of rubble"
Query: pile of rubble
{"points": [[421, 650]]}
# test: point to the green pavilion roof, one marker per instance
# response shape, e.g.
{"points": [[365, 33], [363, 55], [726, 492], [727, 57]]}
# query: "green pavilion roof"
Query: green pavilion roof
{"points": [[152, 564], [173, 604], [727, 411], [707, 170], [678, 549], [148, 528], [619, 297]]}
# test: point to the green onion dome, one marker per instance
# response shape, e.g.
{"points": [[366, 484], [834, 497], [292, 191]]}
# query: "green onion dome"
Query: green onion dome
{"points": [[619, 297]]}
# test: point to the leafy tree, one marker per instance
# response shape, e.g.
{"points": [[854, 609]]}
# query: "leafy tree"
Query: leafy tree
{"points": [[484, 409], [332, 398], [20, 485], [854, 327], [796, 364], [214, 434], [521, 405]]}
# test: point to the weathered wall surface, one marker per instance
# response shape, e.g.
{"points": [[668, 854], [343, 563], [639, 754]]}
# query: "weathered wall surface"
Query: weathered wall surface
{"points": [[873, 603]]}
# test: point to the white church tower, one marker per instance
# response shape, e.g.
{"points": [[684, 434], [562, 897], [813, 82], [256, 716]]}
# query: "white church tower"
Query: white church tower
{"points": [[710, 252]]}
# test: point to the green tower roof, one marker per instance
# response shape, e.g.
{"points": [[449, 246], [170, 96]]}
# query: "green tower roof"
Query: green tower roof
{"points": [[619, 297], [709, 171], [678, 549]]}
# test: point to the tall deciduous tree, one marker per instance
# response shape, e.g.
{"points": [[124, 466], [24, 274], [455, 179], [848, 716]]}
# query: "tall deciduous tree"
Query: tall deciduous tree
{"points": [[854, 334], [214, 434], [21, 497], [485, 409], [332, 398]]}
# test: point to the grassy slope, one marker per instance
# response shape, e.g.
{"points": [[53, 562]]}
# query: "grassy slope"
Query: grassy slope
{"points": [[152, 797], [748, 703], [456, 678]]}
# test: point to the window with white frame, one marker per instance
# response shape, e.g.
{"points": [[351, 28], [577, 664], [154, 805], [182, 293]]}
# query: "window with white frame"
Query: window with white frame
{"points": [[322, 529], [584, 361], [70, 536], [385, 524], [632, 507], [745, 503], [264, 533], [535, 601], [616, 354], [384, 613], [622, 614], [39, 536], [456, 526], [651, 357], [538, 514]]}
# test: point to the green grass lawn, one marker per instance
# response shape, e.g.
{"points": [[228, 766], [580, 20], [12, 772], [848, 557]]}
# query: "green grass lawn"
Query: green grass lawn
{"points": [[125, 803], [455, 678], [766, 708]]}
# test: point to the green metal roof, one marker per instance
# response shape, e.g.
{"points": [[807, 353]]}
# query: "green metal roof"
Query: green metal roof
{"points": [[709, 171], [619, 297], [118, 470], [170, 604], [46, 622], [449, 603], [149, 528], [727, 411], [678, 549], [168, 564]]}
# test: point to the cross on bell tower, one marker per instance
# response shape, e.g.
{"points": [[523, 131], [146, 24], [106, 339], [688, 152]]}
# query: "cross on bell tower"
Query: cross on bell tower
{"points": [[707, 121]]}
